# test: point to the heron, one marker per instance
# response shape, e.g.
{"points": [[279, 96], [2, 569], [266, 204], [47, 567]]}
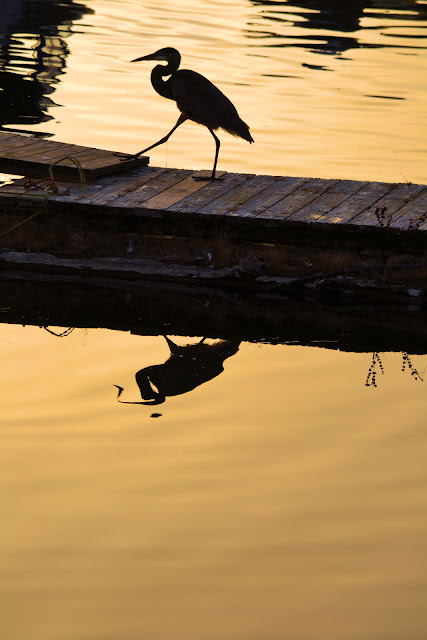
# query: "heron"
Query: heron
{"points": [[197, 99]]}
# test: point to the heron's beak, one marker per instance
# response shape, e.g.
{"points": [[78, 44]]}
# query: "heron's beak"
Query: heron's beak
{"points": [[152, 56]]}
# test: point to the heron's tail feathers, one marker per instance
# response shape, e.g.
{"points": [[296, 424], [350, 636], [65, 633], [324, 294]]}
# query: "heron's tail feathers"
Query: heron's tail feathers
{"points": [[241, 130], [247, 135]]}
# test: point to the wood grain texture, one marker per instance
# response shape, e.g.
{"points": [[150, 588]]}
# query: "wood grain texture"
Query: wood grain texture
{"points": [[32, 156], [110, 188], [269, 202], [337, 194], [412, 212], [394, 202], [125, 185], [9, 142], [4, 137], [210, 192], [48, 154], [280, 188], [229, 202], [363, 199], [27, 150], [154, 187], [306, 193], [177, 192]]}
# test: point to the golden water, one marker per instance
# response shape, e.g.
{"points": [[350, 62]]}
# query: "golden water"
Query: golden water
{"points": [[283, 498], [320, 102]]}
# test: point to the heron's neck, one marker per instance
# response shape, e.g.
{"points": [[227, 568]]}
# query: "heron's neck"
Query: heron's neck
{"points": [[163, 86]]}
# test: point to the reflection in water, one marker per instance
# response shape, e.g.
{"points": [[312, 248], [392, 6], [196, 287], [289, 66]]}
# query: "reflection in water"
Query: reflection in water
{"points": [[378, 366], [145, 309], [292, 507], [62, 334], [322, 16], [22, 100], [188, 367], [33, 53]]}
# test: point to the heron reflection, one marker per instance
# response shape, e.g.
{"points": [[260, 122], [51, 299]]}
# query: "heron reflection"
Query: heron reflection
{"points": [[188, 367]]}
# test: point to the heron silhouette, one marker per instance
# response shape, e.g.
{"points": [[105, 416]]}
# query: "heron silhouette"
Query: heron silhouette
{"points": [[197, 99]]}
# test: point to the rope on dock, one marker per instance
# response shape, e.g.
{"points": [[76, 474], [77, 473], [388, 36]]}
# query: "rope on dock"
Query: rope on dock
{"points": [[51, 188]]}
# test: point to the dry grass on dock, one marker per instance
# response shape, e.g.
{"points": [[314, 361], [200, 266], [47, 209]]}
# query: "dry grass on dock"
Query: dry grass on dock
{"points": [[64, 236]]}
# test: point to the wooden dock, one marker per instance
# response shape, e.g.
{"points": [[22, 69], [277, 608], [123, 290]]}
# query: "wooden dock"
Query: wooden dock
{"points": [[270, 206]]}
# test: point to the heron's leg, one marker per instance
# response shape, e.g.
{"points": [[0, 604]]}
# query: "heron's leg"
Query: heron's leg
{"points": [[212, 176], [125, 156]]}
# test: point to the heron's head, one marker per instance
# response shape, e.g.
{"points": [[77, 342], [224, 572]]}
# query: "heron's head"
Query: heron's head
{"points": [[168, 54]]}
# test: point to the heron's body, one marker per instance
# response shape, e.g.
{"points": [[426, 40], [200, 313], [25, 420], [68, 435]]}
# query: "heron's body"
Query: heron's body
{"points": [[197, 99], [201, 101]]}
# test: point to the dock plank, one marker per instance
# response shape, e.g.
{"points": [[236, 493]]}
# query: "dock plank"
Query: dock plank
{"points": [[136, 198], [108, 188], [339, 193], [178, 192], [88, 155], [306, 193], [62, 150], [33, 156], [11, 145], [90, 158], [233, 199], [394, 202], [90, 161], [362, 200], [28, 151], [412, 212], [45, 154], [59, 158], [280, 188], [210, 192], [122, 187], [7, 136], [70, 173]]}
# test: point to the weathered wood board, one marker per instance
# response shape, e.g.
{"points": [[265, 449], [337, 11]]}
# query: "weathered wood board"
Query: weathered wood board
{"points": [[32, 157]]}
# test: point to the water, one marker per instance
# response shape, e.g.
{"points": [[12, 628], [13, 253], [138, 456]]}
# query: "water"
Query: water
{"points": [[282, 496], [280, 493]]}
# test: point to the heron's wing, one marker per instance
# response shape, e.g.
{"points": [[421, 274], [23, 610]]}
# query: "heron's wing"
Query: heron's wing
{"points": [[202, 101]]}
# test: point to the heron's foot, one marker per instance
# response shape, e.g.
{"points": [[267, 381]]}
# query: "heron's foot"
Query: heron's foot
{"points": [[206, 178], [124, 157]]}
